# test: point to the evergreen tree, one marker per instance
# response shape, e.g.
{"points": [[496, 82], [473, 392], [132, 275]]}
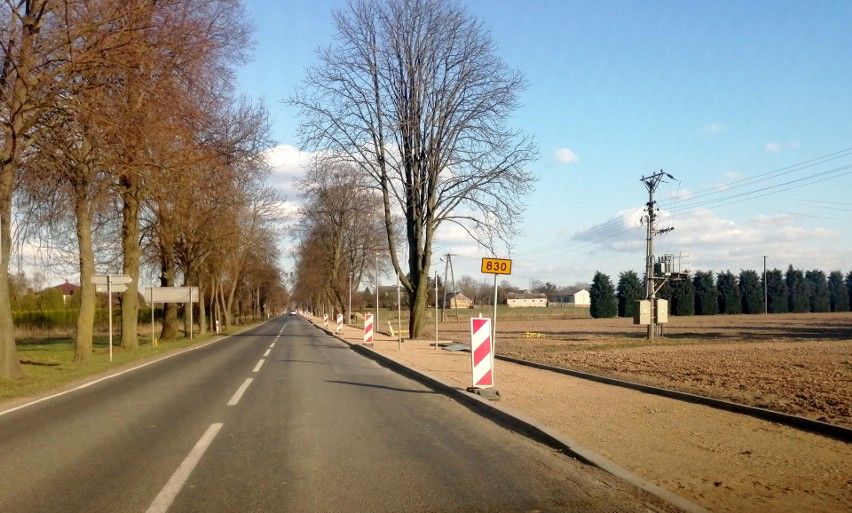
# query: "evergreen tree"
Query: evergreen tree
{"points": [[798, 291], [682, 297], [819, 297], [838, 292], [602, 295], [628, 291], [706, 302], [776, 291], [730, 298], [751, 291], [849, 286]]}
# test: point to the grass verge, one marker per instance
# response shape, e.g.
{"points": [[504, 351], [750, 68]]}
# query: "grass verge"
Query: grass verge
{"points": [[48, 363]]}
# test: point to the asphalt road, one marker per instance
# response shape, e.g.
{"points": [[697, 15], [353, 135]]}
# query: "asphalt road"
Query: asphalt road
{"points": [[280, 418]]}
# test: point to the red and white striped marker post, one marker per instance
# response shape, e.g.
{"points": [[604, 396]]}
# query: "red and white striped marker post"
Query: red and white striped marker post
{"points": [[481, 351], [368, 329], [325, 321], [339, 323]]}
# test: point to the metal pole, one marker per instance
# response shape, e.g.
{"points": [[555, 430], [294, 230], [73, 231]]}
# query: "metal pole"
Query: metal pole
{"points": [[376, 324], [191, 327], [153, 338], [494, 334], [436, 310], [398, 315], [349, 312], [109, 302]]}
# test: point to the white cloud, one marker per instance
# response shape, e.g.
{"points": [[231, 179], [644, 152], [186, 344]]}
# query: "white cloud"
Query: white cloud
{"points": [[773, 147], [288, 165], [565, 156], [714, 128]]}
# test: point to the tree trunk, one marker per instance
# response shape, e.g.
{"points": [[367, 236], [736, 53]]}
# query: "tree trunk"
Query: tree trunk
{"points": [[132, 252], [86, 316], [167, 279], [10, 365], [202, 311]]}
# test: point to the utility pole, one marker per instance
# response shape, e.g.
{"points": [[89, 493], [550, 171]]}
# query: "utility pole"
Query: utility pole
{"points": [[444, 301], [651, 183]]}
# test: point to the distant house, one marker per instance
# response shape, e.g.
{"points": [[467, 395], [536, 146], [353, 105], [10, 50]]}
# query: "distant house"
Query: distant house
{"points": [[458, 300], [578, 297], [516, 299], [67, 289]]}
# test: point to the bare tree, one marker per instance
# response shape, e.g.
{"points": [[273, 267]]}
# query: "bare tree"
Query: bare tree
{"points": [[342, 219], [413, 95], [178, 49], [37, 38]]}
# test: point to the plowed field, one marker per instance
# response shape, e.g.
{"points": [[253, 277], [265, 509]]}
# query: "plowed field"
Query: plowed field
{"points": [[794, 363]]}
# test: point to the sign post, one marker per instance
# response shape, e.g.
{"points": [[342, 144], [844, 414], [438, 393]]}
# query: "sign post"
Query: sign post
{"points": [[186, 295], [495, 266], [110, 283]]}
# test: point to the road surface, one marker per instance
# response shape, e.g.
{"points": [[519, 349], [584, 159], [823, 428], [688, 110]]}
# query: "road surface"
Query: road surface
{"points": [[281, 418]]}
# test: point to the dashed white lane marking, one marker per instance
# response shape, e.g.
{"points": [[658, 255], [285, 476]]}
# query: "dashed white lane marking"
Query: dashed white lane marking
{"points": [[267, 352], [169, 492], [259, 365], [240, 391], [271, 345]]}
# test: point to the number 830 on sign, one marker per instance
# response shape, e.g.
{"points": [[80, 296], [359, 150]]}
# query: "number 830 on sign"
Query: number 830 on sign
{"points": [[496, 266]]}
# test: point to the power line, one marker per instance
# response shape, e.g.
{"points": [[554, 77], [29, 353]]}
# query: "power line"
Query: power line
{"points": [[616, 226]]}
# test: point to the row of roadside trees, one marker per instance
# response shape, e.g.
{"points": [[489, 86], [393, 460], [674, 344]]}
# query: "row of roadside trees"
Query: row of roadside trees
{"points": [[707, 293], [124, 149]]}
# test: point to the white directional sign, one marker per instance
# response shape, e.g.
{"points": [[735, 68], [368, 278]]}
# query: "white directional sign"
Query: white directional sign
{"points": [[171, 295], [114, 279], [115, 287], [111, 283]]}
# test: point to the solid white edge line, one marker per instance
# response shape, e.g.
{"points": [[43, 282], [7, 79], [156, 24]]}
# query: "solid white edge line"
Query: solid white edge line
{"points": [[259, 365], [167, 495], [240, 391], [90, 383]]}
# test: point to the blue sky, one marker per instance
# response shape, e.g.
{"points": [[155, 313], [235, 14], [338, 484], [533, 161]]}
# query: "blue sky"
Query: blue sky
{"points": [[731, 98]]}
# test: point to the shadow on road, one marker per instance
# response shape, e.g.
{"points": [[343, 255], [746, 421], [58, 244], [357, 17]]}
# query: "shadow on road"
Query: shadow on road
{"points": [[370, 385]]}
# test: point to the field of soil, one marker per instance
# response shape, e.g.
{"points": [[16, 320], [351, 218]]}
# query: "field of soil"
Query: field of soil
{"points": [[793, 363]]}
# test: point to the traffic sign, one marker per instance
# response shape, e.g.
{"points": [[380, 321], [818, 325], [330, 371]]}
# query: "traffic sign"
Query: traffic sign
{"points": [[114, 279], [496, 266], [114, 287]]}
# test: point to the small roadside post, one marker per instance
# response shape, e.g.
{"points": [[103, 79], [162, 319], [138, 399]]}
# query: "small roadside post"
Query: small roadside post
{"points": [[110, 283], [495, 266], [368, 329]]}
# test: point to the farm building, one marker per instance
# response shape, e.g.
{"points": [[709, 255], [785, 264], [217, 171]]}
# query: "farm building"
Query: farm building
{"points": [[578, 297], [457, 300], [516, 299]]}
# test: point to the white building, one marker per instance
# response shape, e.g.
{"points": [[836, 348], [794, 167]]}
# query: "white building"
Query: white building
{"points": [[515, 299]]}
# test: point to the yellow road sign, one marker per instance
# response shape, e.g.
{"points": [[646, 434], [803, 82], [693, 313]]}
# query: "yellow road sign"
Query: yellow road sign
{"points": [[496, 266]]}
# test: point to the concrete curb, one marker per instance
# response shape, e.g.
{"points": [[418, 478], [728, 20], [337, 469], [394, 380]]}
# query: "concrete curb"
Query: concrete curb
{"points": [[520, 423]]}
